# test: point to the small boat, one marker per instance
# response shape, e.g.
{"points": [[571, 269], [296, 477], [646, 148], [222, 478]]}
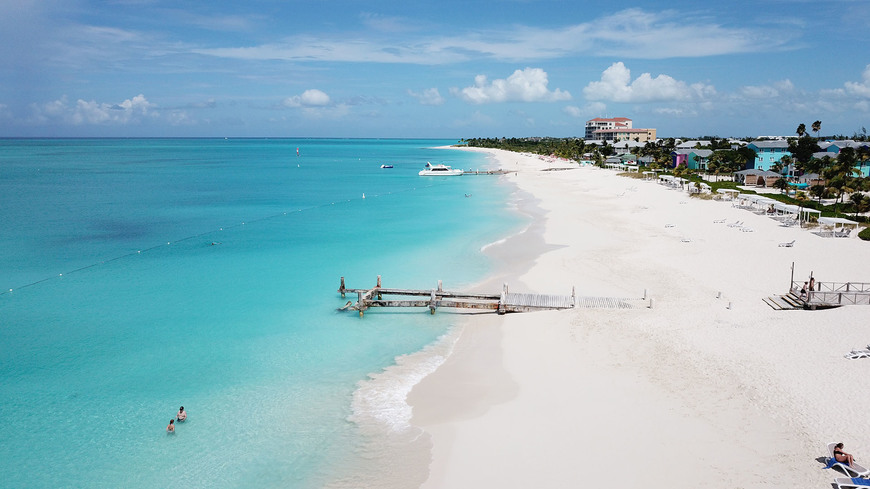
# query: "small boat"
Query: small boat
{"points": [[386, 166], [439, 170]]}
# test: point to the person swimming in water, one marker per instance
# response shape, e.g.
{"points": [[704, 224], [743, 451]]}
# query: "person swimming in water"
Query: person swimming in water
{"points": [[171, 428], [182, 415]]}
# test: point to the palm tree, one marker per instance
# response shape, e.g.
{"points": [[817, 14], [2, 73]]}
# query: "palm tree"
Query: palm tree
{"points": [[801, 130], [801, 197], [781, 184], [817, 126]]}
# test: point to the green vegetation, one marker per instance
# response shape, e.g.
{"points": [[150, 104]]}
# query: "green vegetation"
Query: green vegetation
{"points": [[839, 174], [865, 234]]}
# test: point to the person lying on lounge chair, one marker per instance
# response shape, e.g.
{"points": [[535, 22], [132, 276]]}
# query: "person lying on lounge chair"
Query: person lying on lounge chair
{"points": [[841, 456]]}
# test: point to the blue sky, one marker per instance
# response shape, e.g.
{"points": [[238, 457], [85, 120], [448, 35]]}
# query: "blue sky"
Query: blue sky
{"points": [[446, 69]]}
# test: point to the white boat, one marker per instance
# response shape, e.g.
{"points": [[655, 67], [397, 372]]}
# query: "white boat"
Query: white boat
{"points": [[386, 166], [439, 170]]}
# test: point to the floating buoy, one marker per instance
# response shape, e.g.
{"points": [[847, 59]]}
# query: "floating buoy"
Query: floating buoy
{"points": [[364, 195]]}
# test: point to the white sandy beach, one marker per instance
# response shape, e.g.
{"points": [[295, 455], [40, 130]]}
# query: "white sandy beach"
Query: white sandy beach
{"points": [[688, 393]]}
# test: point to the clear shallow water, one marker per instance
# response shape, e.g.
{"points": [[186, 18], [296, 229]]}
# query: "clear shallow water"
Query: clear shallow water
{"points": [[122, 310]]}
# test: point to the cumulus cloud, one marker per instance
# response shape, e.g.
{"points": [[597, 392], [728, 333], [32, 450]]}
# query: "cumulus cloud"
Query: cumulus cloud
{"points": [[309, 98], [84, 112], [429, 96], [528, 85], [616, 86], [862, 88]]}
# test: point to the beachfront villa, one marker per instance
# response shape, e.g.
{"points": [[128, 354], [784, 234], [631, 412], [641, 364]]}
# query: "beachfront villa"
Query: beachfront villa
{"points": [[769, 152], [694, 159], [832, 148]]}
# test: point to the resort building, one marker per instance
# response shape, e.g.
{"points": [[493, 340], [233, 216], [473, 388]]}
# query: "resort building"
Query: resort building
{"points": [[694, 159], [616, 129], [599, 124], [833, 148], [768, 152]]}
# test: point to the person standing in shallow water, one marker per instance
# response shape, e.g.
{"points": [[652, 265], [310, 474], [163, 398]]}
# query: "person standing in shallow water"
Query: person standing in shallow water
{"points": [[182, 415], [171, 428]]}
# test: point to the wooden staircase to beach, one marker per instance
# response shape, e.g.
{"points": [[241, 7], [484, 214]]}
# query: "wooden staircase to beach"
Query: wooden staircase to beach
{"points": [[788, 302]]}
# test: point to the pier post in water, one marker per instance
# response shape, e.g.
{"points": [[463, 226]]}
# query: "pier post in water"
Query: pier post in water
{"points": [[342, 288], [379, 287], [432, 303]]}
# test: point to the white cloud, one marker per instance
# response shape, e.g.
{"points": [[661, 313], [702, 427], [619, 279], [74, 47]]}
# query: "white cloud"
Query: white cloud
{"points": [[91, 112], [862, 88], [528, 85], [429, 96], [616, 86], [309, 98], [590, 109], [776, 89], [572, 111], [632, 32]]}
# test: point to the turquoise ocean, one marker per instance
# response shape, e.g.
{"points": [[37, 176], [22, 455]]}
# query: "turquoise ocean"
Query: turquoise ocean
{"points": [[140, 275]]}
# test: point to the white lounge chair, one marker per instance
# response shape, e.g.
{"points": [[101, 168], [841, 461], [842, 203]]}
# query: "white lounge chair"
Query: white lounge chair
{"points": [[852, 483], [735, 224], [718, 221], [854, 354], [854, 470], [787, 245]]}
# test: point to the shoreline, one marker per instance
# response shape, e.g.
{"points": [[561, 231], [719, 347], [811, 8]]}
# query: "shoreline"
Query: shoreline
{"points": [[547, 398]]}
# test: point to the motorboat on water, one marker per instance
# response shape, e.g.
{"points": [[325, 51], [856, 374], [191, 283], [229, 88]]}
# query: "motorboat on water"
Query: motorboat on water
{"points": [[386, 166], [439, 170]]}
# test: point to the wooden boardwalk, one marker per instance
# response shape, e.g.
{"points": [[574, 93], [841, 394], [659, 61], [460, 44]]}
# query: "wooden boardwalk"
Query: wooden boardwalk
{"points": [[502, 303]]}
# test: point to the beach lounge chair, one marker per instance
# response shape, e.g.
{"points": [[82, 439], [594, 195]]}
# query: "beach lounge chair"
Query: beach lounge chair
{"points": [[854, 354], [787, 245], [718, 221], [735, 224], [851, 483], [854, 471]]}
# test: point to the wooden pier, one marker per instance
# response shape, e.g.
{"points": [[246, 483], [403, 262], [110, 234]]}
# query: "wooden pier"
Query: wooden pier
{"points": [[501, 303], [487, 172]]}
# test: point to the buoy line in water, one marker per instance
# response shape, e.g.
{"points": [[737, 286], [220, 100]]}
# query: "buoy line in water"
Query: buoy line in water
{"points": [[194, 236]]}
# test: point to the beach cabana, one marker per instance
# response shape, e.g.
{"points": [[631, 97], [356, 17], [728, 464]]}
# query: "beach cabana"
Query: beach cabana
{"points": [[761, 203], [728, 193], [836, 227], [790, 213]]}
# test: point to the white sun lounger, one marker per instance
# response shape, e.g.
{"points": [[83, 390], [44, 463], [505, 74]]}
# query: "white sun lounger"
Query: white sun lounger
{"points": [[852, 483], [787, 245], [858, 354], [854, 471]]}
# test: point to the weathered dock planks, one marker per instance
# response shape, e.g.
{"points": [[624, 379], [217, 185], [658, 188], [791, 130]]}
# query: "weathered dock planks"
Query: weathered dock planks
{"points": [[502, 303]]}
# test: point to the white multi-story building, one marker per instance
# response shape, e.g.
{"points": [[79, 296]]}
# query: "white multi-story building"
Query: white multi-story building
{"points": [[615, 130], [600, 123]]}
